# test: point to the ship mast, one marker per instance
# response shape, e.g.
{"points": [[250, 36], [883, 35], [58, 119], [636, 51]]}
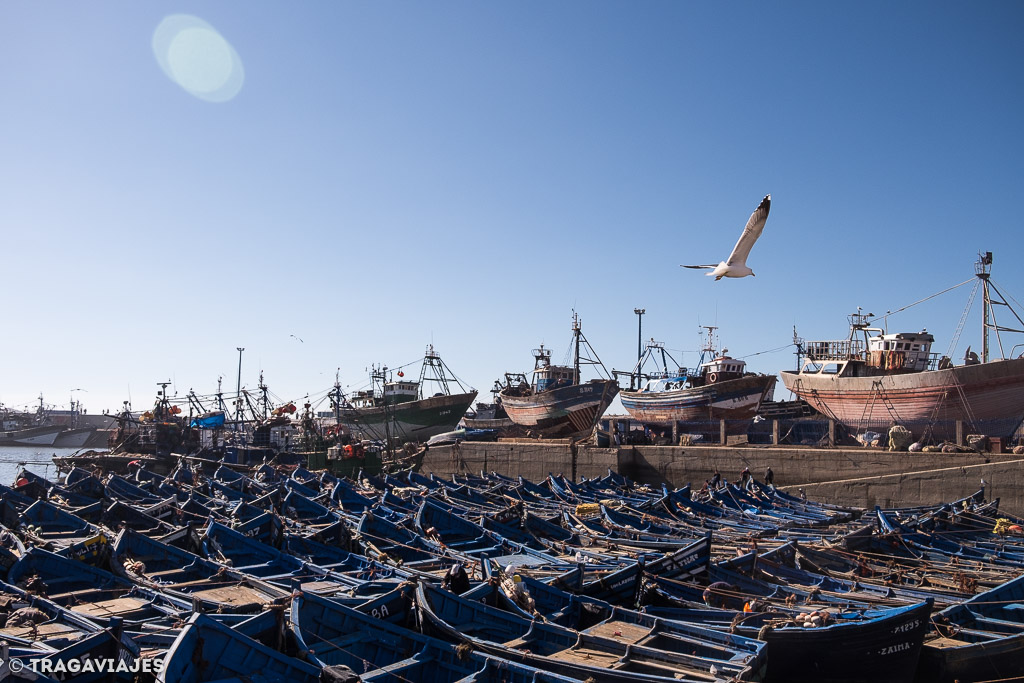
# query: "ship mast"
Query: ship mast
{"points": [[576, 353], [983, 269], [709, 347], [264, 397], [337, 398]]}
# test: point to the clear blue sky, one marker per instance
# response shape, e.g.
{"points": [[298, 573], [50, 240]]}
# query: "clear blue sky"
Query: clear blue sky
{"points": [[391, 174]]}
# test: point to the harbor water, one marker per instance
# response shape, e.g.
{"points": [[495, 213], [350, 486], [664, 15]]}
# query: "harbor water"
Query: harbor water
{"points": [[39, 459]]}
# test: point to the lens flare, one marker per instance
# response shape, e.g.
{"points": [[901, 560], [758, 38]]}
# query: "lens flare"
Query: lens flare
{"points": [[198, 58]]}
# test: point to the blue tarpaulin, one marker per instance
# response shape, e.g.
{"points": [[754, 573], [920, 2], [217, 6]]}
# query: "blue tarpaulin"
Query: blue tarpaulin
{"points": [[209, 420]]}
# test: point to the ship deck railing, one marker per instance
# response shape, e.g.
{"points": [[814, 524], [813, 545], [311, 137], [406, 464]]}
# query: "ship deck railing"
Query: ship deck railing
{"points": [[835, 350]]}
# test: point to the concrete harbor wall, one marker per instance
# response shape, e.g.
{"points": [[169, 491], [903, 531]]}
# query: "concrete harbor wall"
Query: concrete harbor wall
{"points": [[863, 477]]}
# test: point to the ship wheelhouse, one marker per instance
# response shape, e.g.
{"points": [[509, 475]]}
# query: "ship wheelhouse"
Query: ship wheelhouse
{"points": [[552, 376], [910, 352], [723, 368], [870, 351], [401, 392]]}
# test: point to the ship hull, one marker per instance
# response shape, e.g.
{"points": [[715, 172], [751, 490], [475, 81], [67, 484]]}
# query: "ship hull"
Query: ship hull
{"points": [[409, 421], [33, 436], [566, 411], [494, 423], [74, 438], [989, 396], [735, 399]]}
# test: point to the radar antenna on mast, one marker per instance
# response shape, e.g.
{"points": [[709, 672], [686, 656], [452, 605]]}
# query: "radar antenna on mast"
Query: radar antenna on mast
{"points": [[798, 342]]}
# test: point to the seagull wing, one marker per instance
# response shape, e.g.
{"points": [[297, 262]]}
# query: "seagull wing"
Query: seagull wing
{"points": [[750, 233], [711, 267]]}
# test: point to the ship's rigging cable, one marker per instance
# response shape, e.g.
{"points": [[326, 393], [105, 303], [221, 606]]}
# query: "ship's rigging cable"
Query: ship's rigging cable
{"points": [[1000, 293], [1015, 301], [921, 301], [781, 348], [963, 319]]}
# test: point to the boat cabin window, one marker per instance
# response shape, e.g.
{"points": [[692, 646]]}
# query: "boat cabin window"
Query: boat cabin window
{"points": [[824, 368]]}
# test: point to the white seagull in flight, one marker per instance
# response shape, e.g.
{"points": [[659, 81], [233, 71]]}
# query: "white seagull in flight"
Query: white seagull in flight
{"points": [[736, 265]]}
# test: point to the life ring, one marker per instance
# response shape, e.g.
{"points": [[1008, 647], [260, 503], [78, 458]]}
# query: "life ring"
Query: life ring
{"points": [[712, 377]]}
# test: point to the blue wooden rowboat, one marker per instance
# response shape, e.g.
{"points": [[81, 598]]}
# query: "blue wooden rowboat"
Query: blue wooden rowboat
{"points": [[47, 524], [122, 515], [227, 492], [84, 482], [931, 543], [236, 480], [741, 656], [337, 559], [372, 641], [387, 541], [189, 577], [11, 548], [306, 478], [41, 488], [90, 591], [266, 527], [864, 645], [978, 640], [606, 533], [292, 485], [307, 511], [883, 648], [455, 528], [779, 566], [77, 661], [345, 496], [61, 628], [120, 488], [625, 656], [254, 558], [207, 650]]}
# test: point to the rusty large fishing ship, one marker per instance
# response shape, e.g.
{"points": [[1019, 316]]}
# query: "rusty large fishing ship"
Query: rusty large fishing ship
{"points": [[874, 376], [558, 403]]}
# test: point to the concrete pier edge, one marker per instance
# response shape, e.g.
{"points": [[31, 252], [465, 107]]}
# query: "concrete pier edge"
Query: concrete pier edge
{"points": [[861, 477]]}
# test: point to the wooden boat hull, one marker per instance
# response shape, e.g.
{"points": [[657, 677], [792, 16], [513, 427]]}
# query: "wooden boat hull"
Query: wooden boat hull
{"points": [[409, 421], [479, 423], [601, 657], [981, 639], [735, 399], [881, 650], [993, 393], [564, 411], [206, 650], [996, 659]]}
